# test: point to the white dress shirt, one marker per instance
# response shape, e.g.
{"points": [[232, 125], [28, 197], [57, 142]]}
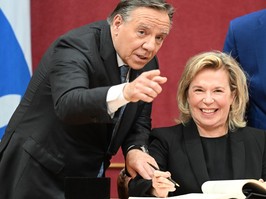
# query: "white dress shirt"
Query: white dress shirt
{"points": [[115, 97]]}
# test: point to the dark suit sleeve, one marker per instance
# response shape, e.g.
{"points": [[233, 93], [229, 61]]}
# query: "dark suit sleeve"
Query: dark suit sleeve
{"points": [[72, 78], [138, 187]]}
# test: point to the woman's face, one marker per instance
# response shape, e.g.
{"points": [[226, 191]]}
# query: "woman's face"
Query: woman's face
{"points": [[209, 98]]}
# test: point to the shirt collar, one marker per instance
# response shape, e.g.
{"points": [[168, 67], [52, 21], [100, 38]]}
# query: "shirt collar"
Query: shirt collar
{"points": [[119, 61]]}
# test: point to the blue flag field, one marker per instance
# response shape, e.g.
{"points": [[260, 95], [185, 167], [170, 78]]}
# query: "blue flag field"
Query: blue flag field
{"points": [[15, 56]]}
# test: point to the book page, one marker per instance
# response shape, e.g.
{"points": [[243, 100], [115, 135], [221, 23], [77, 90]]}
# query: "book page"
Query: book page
{"points": [[234, 187], [222, 189], [202, 196], [191, 196]]}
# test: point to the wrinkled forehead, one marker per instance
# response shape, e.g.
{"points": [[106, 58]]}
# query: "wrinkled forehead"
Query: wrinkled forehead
{"points": [[151, 18]]}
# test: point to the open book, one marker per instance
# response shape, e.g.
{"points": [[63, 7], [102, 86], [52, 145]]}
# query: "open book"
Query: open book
{"points": [[247, 188], [227, 189]]}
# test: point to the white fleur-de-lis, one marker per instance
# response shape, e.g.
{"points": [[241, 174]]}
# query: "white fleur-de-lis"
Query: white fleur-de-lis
{"points": [[8, 104]]}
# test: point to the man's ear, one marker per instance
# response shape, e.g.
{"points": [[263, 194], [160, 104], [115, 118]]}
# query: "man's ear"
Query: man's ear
{"points": [[117, 21]]}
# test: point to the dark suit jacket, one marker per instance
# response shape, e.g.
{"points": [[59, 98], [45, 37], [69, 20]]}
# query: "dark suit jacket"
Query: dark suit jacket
{"points": [[246, 41], [178, 149], [61, 127]]}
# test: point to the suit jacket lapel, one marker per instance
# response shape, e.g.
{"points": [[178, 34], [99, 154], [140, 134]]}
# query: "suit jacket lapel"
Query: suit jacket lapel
{"points": [[108, 55], [196, 155], [128, 116], [195, 152]]}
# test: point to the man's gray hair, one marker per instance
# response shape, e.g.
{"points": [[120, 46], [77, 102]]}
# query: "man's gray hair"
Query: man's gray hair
{"points": [[126, 6]]}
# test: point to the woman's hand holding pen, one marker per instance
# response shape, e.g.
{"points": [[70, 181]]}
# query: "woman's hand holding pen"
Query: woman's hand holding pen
{"points": [[161, 184]]}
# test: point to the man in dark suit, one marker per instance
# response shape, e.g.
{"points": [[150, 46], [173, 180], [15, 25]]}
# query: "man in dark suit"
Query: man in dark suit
{"points": [[246, 41], [64, 125]]}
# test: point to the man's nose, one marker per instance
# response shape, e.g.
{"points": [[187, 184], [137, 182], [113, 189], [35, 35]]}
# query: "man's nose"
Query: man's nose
{"points": [[149, 44]]}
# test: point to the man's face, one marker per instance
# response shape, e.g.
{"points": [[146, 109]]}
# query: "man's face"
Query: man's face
{"points": [[138, 39]]}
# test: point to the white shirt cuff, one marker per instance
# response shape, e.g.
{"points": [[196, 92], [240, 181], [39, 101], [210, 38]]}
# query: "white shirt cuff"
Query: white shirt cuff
{"points": [[115, 98]]}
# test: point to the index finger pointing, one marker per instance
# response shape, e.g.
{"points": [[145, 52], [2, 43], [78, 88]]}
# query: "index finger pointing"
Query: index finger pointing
{"points": [[151, 74]]}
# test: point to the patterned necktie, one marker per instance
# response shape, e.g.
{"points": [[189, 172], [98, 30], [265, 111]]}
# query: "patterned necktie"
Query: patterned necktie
{"points": [[123, 73]]}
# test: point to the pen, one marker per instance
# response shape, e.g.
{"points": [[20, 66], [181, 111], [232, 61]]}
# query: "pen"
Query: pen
{"points": [[170, 179]]}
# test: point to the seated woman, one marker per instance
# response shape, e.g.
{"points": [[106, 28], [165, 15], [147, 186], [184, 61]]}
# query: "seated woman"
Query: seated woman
{"points": [[212, 142]]}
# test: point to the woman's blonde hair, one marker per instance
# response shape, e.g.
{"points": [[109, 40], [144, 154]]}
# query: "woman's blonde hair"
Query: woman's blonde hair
{"points": [[237, 80]]}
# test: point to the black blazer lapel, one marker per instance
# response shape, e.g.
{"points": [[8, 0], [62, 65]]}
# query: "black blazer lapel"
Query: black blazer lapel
{"points": [[195, 152]]}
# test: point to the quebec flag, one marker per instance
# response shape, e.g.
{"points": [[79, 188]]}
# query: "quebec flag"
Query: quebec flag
{"points": [[15, 56]]}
